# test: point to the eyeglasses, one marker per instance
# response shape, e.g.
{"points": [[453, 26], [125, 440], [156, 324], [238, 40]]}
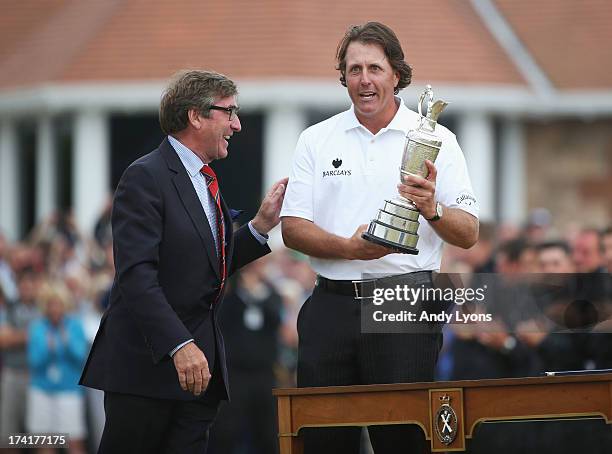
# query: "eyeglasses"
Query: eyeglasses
{"points": [[232, 110]]}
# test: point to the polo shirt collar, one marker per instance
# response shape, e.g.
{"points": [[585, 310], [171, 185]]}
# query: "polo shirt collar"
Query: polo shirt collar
{"points": [[192, 163], [404, 119], [351, 121]]}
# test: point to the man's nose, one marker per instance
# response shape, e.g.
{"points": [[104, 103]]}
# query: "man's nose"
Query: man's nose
{"points": [[235, 125]]}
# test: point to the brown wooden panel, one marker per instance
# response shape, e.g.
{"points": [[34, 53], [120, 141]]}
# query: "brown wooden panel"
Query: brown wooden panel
{"points": [[284, 416], [361, 409], [536, 401], [289, 440]]}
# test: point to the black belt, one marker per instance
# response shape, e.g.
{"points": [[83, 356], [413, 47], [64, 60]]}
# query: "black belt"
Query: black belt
{"points": [[364, 288]]}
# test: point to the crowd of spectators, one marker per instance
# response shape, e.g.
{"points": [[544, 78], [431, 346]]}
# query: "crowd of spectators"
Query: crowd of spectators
{"points": [[550, 297], [54, 287]]}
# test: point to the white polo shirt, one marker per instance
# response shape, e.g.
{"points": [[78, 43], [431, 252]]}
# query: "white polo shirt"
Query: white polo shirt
{"points": [[342, 173]]}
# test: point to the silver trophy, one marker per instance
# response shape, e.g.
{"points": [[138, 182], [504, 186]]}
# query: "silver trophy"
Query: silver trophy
{"points": [[398, 221]]}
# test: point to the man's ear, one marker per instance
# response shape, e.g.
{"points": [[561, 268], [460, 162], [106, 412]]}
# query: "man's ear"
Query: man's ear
{"points": [[195, 120]]}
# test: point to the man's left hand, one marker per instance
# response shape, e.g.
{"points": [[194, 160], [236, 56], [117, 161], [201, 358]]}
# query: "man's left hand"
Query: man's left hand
{"points": [[268, 215], [421, 191]]}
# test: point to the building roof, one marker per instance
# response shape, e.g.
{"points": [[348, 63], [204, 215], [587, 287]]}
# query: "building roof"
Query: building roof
{"points": [[569, 39], [67, 41]]}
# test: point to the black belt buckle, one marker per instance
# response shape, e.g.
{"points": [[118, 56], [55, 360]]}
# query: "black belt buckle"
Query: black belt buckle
{"points": [[364, 287]]}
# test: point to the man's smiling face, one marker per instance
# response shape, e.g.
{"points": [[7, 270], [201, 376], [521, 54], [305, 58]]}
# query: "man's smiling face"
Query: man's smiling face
{"points": [[216, 131]]}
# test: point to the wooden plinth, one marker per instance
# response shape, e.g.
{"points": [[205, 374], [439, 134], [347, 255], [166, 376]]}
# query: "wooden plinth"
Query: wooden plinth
{"points": [[471, 401]]}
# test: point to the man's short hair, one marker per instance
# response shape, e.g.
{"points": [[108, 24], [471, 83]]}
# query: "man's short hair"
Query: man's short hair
{"points": [[375, 33], [513, 249], [554, 244], [191, 89]]}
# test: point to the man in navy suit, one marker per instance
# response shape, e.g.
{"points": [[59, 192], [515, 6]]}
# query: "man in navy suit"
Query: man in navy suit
{"points": [[158, 354]]}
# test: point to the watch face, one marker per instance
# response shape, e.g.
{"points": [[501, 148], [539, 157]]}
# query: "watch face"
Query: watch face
{"points": [[439, 209]]}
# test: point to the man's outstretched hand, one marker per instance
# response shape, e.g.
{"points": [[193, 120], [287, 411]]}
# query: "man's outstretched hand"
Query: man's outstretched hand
{"points": [[268, 215], [192, 368]]}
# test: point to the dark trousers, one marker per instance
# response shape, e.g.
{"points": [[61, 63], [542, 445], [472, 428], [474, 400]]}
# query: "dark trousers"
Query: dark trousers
{"points": [[248, 422], [333, 351], [144, 425]]}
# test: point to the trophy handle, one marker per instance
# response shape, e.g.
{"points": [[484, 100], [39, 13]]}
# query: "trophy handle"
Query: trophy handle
{"points": [[428, 93]]}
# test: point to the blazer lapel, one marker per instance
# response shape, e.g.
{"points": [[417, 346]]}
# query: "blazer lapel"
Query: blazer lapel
{"points": [[192, 204]]}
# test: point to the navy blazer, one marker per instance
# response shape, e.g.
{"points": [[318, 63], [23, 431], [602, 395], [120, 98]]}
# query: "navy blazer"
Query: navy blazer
{"points": [[166, 282]]}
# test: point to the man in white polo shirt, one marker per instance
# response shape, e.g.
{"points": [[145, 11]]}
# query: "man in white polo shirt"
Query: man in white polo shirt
{"points": [[345, 167]]}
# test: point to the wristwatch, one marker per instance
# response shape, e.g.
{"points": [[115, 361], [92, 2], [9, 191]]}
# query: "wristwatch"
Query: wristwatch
{"points": [[439, 213]]}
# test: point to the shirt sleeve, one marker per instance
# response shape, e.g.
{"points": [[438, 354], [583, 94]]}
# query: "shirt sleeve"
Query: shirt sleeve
{"points": [[178, 347], [298, 200], [453, 184], [263, 239]]}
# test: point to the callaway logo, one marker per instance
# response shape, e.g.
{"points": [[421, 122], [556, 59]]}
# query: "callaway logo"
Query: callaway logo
{"points": [[336, 163], [467, 199]]}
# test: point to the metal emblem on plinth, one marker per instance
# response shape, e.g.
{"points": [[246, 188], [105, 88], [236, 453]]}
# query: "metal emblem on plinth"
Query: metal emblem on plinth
{"points": [[397, 222], [446, 421]]}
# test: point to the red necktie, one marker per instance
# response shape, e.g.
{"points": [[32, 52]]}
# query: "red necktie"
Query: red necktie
{"points": [[213, 187]]}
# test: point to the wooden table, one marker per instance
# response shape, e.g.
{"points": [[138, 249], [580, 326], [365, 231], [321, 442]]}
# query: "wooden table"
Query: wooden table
{"points": [[446, 411]]}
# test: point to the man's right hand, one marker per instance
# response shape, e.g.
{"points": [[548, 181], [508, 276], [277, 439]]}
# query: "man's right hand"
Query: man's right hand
{"points": [[360, 249], [192, 368]]}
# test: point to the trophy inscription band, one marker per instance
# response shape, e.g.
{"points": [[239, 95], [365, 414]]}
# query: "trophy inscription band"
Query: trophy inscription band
{"points": [[396, 224]]}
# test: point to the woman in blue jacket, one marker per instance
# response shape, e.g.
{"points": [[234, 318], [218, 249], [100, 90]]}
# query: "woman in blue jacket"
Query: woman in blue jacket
{"points": [[56, 352]]}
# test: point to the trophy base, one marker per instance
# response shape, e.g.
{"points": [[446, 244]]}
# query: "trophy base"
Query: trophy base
{"points": [[389, 244]]}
